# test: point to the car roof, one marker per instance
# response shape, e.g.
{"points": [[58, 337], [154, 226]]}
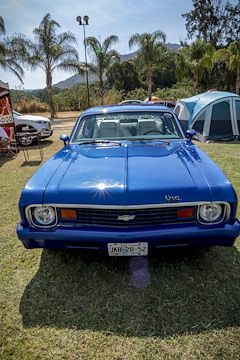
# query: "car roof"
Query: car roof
{"points": [[125, 108], [133, 101], [161, 102]]}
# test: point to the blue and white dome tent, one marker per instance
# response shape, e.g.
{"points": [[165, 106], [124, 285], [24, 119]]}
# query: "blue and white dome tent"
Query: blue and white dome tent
{"points": [[215, 115]]}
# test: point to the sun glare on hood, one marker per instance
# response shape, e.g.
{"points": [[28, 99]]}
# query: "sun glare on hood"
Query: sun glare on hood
{"points": [[103, 186]]}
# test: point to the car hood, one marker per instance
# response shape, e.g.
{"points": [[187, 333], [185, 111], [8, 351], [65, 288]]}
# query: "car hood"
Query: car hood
{"points": [[30, 118], [130, 174]]}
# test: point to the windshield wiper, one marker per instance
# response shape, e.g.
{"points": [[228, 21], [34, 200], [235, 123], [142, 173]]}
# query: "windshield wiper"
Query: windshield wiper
{"points": [[93, 142], [143, 140]]}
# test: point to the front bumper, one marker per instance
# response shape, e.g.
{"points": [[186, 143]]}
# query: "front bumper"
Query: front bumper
{"points": [[45, 133], [158, 237]]}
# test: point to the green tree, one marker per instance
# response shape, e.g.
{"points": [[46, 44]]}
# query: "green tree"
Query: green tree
{"points": [[102, 57], [230, 55], [52, 51], [213, 21], [123, 76], [2, 26], [150, 46], [10, 51], [165, 73], [194, 61]]}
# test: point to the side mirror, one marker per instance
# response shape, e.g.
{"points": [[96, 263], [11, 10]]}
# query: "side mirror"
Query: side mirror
{"points": [[65, 138], [190, 133]]}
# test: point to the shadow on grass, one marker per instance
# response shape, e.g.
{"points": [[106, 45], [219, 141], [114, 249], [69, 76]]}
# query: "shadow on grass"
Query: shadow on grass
{"points": [[173, 292], [4, 160], [31, 163], [46, 143]]}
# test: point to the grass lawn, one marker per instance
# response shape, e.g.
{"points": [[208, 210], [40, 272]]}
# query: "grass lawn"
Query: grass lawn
{"points": [[176, 304]]}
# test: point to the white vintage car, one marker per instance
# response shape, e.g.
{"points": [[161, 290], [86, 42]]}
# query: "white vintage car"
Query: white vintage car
{"points": [[32, 124]]}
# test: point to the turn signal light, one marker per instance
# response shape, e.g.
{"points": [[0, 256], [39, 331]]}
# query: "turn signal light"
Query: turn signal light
{"points": [[185, 213], [68, 214]]}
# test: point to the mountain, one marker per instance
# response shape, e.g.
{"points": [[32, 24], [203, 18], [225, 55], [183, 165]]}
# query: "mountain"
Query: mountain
{"points": [[77, 79]]}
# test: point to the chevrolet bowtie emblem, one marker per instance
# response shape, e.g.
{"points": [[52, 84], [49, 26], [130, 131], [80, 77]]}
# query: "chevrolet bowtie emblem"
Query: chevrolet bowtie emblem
{"points": [[126, 217]]}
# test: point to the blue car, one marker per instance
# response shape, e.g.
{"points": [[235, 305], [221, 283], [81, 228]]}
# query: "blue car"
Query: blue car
{"points": [[128, 180]]}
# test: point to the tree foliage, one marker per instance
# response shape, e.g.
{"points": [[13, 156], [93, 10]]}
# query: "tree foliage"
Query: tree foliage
{"points": [[213, 21], [11, 50], [151, 50], [123, 76], [2, 26], [51, 51], [231, 56], [195, 61], [101, 56]]}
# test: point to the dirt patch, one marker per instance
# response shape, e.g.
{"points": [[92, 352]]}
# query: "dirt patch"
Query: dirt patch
{"points": [[64, 122]]}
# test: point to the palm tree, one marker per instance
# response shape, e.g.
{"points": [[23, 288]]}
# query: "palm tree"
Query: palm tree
{"points": [[194, 60], [150, 46], [10, 53], [52, 51], [231, 55], [102, 57], [2, 26]]}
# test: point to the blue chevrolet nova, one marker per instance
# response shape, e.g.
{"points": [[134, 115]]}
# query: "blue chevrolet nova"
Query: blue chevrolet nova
{"points": [[127, 181]]}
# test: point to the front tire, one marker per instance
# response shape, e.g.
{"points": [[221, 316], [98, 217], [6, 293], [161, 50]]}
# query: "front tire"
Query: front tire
{"points": [[28, 139]]}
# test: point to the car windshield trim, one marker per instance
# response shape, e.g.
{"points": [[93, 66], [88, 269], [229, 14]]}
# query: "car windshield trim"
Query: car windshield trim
{"points": [[99, 141], [119, 143], [128, 126], [143, 140]]}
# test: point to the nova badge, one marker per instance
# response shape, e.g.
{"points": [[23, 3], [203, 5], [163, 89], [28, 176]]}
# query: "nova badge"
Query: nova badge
{"points": [[126, 217], [170, 198]]}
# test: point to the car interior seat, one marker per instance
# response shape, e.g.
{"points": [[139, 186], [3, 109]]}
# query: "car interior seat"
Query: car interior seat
{"points": [[145, 126], [108, 128]]}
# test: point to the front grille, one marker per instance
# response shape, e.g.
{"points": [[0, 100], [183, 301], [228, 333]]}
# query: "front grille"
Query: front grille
{"points": [[126, 218]]}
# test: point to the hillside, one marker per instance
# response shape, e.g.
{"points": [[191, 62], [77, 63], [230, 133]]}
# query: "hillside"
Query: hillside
{"points": [[77, 79]]}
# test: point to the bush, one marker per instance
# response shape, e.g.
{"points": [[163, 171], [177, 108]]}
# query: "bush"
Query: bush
{"points": [[31, 107], [138, 94], [180, 90], [113, 96]]}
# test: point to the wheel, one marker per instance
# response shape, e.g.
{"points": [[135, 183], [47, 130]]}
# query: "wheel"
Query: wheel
{"points": [[26, 140]]}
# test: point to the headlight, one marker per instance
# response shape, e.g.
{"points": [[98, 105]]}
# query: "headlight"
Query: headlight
{"points": [[43, 122], [44, 215], [210, 213]]}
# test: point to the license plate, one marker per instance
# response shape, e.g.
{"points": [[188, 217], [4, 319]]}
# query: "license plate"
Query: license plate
{"points": [[123, 249]]}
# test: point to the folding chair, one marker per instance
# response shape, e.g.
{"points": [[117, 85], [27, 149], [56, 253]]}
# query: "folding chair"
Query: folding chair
{"points": [[9, 147]]}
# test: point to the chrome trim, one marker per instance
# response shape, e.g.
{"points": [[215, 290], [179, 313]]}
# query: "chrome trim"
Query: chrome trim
{"points": [[227, 209], [126, 217], [30, 219]]}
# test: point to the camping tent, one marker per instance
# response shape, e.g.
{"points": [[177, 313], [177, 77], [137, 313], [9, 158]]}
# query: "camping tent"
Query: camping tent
{"points": [[215, 115]]}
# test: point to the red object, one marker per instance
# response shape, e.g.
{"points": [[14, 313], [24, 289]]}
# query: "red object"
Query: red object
{"points": [[185, 213], [7, 131]]}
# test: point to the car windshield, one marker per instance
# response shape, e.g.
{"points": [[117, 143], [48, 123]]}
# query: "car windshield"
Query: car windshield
{"points": [[127, 126]]}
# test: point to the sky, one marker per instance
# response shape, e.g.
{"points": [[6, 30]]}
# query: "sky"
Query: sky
{"points": [[106, 17]]}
